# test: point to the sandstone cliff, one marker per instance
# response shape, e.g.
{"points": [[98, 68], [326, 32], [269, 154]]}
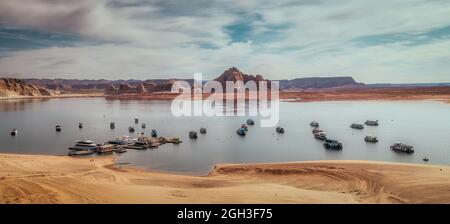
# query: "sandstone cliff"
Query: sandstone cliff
{"points": [[11, 87]]}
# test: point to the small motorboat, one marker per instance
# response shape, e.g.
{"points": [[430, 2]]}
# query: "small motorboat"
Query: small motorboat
{"points": [[241, 132], [250, 122], [85, 145], [320, 136], [357, 126], [279, 130], [112, 125], [371, 122], [14, 132], [314, 124], [136, 120], [80, 125], [426, 159], [193, 135], [203, 130], [245, 127], [106, 148], [401, 147], [371, 138], [58, 128], [316, 130], [332, 144], [139, 145], [130, 129], [80, 152], [120, 149], [154, 133], [143, 126]]}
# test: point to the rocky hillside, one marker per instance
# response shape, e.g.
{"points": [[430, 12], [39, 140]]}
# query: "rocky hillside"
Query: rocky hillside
{"points": [[319, 83], [10, 87], [233, 74]]}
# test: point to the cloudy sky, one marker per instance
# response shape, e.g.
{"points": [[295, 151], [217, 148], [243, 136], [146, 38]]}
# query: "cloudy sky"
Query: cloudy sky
{"points": [[395, 41]]}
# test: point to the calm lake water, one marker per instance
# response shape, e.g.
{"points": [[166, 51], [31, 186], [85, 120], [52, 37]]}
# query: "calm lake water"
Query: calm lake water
{"points": [[423, 124]]}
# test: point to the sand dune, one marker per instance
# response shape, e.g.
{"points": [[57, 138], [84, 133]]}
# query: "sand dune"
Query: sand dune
{"points": [[61, 179]]}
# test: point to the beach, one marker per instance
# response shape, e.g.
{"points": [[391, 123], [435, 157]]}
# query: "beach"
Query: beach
{"points": [[63, 179]]}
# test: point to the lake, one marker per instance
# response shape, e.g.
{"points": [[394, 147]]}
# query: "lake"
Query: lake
{"points": [[423, 124]]}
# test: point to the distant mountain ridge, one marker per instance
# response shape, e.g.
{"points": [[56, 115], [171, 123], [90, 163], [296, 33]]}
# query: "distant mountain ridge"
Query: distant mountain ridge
{"points": [[319, 83]]}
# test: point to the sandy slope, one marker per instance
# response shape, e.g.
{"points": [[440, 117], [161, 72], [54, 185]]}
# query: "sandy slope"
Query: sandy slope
{"points": [[60, 179]]}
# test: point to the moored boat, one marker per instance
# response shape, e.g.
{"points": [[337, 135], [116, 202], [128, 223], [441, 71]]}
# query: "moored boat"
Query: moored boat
{"points": [[112, 125], [203, 130], [58, 128], [193, 135], [120, 149], [131, 129], [316, 130], [401, 147], [241, 132], [143, 125], [279, 130], [85, 145], [154, 133], [80, 125], [314, 124], [106, 148], [371, 138], [250, 122], [371, 122], [332, 144], [80, 152], [245, 127], [320, 135], [14, 132], [357, 126], [140, 145], [136, 120]]}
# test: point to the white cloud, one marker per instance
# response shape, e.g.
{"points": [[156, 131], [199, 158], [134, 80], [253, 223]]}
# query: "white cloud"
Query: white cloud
{"points": [[156, 39]]}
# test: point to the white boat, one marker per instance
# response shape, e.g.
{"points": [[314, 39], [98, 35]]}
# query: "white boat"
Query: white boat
{"points": [[371, 122], [371, 138], [106, 148], [140, 145], [316, 130], [14, 132], [320, 135], [80, 153], [84, 145]]}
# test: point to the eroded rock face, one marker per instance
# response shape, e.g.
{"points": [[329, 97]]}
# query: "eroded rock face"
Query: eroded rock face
{"points": [[126, 88], [111, 89], [233, 74], [11, 87], [141, 89]]}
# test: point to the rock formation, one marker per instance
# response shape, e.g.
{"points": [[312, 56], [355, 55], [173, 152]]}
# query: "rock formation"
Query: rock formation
{"points": [[11, 87]]}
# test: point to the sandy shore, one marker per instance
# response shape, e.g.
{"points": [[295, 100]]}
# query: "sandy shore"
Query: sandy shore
{"points": [[61, 179]]}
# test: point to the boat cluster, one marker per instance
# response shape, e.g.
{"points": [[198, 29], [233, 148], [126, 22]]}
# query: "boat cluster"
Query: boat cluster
{"points": [[194, 135], [334, 144], [120, 145], [322, 135]]}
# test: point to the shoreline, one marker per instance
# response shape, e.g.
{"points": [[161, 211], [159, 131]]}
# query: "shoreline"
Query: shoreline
{"points": [[441, 94], [63, 179]]}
